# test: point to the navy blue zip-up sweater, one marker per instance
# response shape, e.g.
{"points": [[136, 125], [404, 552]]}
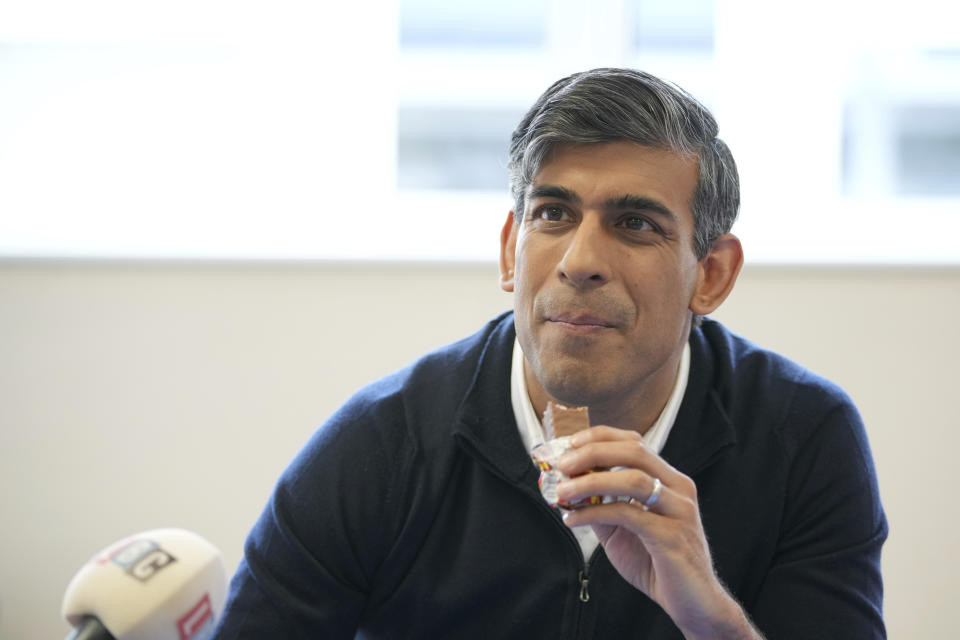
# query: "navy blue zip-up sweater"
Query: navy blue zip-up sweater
{"points": [[414, 511]]}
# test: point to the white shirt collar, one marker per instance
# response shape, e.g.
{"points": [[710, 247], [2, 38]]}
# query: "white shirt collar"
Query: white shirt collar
{"points": [[531, 430]]}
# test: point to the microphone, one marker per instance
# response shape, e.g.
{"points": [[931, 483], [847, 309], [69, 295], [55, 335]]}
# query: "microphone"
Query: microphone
{"points": [[163, 584]]}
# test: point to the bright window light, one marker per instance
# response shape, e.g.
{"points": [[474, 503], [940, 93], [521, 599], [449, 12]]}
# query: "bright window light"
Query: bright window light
{"points": [[301, 130]]}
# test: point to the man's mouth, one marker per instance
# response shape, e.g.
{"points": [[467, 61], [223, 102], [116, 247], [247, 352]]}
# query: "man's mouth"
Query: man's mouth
{"points": [[578, 321]]}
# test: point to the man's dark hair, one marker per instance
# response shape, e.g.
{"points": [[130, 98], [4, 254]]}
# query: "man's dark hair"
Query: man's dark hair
{"points": [[606, 105]]}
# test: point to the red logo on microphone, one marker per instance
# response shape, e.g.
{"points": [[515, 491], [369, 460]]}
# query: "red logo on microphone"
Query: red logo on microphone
{"points": [[197, 619]]}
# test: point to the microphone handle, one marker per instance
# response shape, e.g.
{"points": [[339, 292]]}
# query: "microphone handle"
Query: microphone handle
{"points": [[90, 629]]}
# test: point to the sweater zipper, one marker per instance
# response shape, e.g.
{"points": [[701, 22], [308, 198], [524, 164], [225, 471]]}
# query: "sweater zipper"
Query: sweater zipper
{"points": [[584, 595], [583, 577]]}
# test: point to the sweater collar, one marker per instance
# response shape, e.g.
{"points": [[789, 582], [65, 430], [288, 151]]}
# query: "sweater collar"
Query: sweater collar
{"points": [[486, 423], [703, 427]]}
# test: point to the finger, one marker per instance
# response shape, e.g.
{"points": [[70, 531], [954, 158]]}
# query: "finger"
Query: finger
{"points": [[617, 514], [652, 501], [630, 453], [600, 433], [645, 490]]}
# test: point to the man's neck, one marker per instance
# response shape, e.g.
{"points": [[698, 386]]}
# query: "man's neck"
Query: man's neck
{"points": [[639, 413]]}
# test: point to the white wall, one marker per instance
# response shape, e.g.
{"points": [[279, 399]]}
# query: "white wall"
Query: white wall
{"points": [[135, 396]]}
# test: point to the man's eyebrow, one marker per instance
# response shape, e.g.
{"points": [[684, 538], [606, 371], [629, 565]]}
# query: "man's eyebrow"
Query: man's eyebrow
{"points": [[628, 201], [640, 203], [553, 191]]}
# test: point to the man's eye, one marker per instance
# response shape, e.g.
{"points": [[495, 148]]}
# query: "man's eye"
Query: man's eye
{"points": [[551, 213], [637, 223]]}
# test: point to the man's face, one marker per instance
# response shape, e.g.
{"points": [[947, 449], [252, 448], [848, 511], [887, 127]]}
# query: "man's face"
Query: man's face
{"points": [[603, 270]]}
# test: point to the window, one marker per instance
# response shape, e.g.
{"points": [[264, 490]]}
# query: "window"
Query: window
{"points": [[309, 130]]}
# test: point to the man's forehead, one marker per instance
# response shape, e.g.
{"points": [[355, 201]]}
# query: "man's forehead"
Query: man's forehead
{"points": [[615, 171], [557, 149]]}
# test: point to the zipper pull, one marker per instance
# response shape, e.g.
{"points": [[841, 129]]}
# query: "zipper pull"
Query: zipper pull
{"points": [[584, 594]]}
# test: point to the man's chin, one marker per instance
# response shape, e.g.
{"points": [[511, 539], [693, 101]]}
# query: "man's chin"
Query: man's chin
{"points": [[574, 388]]}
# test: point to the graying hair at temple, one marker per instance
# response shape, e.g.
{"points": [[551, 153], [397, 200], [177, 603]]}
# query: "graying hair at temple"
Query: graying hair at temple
{"points": [[605, 105]]}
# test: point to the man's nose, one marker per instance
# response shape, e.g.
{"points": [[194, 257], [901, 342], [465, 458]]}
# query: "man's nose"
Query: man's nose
{"points": [[585, 262]]}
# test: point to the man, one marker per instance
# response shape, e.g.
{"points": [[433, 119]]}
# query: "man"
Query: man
{"points": [[747, 501]]}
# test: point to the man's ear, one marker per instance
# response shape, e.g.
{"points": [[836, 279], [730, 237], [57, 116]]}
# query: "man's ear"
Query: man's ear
{"points": [[508, 252], [718, 273]]}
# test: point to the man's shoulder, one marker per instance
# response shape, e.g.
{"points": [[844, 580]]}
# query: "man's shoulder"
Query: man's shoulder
{"points": [[449, 368], [434, 384], [749, 378], [459, 360], [412, 410], [739, 356]]}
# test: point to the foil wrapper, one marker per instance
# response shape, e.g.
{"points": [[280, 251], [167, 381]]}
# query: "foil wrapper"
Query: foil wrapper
{"points": [[546, 456]]}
